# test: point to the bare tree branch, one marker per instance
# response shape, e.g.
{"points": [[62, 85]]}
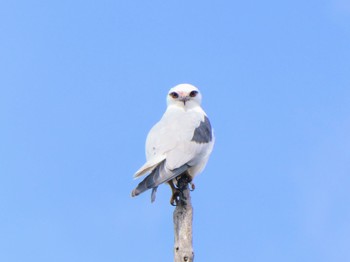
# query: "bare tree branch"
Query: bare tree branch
{"points": [[183, 215]]}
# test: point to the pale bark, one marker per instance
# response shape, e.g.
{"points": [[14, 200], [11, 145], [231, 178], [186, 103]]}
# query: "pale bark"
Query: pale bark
{"points": [[183, 213]]}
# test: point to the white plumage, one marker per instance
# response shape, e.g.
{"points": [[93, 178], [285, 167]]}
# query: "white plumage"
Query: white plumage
{"points": [[180, 142]]}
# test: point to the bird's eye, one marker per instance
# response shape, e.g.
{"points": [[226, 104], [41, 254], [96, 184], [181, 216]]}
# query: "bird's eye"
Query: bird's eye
{"points": [[193, 93], [174, 95]]}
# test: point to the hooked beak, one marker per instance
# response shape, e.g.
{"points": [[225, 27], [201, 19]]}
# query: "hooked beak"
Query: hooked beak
{"points": [[184, 99]]}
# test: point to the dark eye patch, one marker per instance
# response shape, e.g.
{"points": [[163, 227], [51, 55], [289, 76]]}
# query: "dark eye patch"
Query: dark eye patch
{"points": [[174, 95], [193, 93]]}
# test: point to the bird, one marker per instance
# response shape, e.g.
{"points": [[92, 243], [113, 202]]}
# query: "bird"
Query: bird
{"points": [[179, 144]]}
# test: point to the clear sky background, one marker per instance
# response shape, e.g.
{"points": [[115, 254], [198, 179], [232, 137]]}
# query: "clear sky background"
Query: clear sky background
{"points": [[82, 82]]}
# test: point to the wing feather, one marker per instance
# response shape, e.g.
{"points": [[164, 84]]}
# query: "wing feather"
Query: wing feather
{"points": [[149, 165], [158, 176]]}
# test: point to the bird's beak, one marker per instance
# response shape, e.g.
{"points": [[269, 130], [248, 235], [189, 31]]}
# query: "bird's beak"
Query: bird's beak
{"points": [[183, 97]]}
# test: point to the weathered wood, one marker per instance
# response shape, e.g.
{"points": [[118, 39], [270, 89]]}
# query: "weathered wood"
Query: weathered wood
{"points": [[183, 215]]}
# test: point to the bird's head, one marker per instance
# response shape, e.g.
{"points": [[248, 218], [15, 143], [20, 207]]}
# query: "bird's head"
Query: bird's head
{"points": [[184, 95]]}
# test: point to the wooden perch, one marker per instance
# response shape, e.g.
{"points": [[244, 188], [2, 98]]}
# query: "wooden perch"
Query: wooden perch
{"points": [[183, 213]]}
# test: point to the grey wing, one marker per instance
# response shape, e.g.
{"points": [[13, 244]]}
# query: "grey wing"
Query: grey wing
{"points": [[195, 146], [158, 176]]}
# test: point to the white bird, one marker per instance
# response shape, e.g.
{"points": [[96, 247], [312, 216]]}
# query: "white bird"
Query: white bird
{"points": [[180, 143]]}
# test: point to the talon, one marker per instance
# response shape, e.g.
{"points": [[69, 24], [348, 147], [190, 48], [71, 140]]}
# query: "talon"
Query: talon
{"points": [[182, 182], [175, 197], [193, 186]]}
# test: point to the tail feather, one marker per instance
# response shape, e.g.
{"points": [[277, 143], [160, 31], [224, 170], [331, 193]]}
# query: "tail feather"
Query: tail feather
{"points": [[158, 176], [149, 165]]}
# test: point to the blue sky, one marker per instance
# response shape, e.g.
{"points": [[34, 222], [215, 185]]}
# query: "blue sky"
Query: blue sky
{"points": [[82, 82]]}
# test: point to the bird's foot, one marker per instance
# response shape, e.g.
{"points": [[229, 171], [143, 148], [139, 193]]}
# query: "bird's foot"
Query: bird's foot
{"points": [[178, 197], [175, 197]]}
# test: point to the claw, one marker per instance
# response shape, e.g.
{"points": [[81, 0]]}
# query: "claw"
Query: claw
{"points": [[175, 193], [193, 186], [175, 197], [178, 196]]}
